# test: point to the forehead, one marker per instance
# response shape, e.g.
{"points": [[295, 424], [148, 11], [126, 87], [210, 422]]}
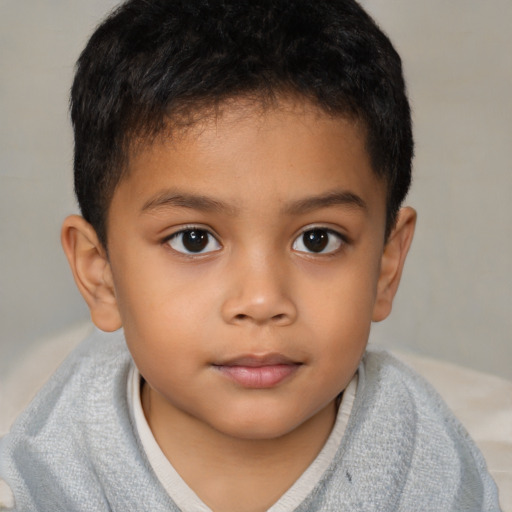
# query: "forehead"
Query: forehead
{"points": [[246, 152]]}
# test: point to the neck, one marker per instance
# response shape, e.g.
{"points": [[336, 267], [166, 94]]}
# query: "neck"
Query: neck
{"points": [[230, 473]]}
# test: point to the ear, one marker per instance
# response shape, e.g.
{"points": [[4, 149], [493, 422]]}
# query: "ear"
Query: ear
{"points": [[91, 269], [392, 262]]}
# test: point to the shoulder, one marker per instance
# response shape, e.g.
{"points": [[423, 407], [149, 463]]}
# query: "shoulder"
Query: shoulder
{"points": [[96, 366], [57, 441], [439, 461], [390, 385], [400, 388], [387, 378], [403, 449]]}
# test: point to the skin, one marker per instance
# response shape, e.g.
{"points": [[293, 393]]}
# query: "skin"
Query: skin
{"points": [[253, 181]]}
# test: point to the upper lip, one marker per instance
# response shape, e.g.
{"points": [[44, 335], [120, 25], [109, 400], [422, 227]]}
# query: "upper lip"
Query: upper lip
{"points": [[256, 360]]}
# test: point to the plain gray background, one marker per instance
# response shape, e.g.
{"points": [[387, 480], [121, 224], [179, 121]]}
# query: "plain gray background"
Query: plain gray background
{"points": [[455, 301]]}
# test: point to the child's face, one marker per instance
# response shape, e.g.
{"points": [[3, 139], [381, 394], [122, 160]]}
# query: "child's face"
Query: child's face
{"points": [[246, 259]]}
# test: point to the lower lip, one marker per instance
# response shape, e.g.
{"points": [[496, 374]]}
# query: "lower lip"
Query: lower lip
{"points": [[259, 377]]}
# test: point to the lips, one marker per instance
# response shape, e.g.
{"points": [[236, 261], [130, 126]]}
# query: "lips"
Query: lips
{"points": [[258, 372]]}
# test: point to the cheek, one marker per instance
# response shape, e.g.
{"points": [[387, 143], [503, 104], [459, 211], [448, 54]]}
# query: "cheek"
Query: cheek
{"points": [[341, 300], [337, 312], [165, 314], [152, 290]]}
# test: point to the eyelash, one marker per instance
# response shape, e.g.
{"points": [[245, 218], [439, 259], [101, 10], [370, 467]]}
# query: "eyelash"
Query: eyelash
{"points": [[340, 241], [193, 229], [204, 238]]}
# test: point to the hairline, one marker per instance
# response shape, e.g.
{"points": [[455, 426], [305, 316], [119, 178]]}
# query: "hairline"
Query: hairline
{"points": [[187, 116]]}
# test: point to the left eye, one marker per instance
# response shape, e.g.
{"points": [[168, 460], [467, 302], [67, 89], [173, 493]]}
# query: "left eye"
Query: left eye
{"points": [[318, 241], [193, 241]]}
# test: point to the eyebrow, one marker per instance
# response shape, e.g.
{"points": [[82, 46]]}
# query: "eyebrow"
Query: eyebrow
{"points": [[334, 198], [171, 199], [183, 200]]}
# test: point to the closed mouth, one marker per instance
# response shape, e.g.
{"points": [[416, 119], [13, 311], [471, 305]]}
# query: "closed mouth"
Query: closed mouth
{"points": [[258, 371], [254, 360]]}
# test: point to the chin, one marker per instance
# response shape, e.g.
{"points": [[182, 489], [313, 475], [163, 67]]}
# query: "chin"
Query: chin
{"points": [[262, 429]]}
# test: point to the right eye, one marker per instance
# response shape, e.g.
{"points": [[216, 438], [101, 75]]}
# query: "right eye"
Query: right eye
{"points": [[193, 241]]}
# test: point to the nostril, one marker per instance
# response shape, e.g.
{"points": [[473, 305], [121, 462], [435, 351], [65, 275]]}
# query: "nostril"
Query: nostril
{"points": [[276, 318]]}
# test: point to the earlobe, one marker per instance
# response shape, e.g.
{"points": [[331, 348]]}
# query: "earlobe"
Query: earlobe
{"points": [[91, 269], [392, 263]]}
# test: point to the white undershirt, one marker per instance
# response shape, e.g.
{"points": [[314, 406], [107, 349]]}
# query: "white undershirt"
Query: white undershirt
{"points": [[187, 500]]}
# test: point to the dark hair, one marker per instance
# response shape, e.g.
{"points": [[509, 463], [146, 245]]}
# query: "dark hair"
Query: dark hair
{"points": [[153, 63]]}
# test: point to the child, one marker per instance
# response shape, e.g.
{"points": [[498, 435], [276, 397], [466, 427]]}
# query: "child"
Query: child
{"points": [[240, 167]]}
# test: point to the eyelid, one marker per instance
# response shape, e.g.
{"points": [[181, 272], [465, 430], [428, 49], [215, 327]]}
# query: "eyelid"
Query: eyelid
{"points": [[344, 240], [191, 227], [335, 230]]}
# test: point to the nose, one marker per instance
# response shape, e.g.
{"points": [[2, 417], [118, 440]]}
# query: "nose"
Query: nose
{"points": [[259, 292]]}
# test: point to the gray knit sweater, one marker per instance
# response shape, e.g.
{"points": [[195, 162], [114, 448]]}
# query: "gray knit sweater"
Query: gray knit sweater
{"points": [[75, 448]]}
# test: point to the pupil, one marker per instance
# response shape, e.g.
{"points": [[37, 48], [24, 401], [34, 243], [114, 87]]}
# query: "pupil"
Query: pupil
{"points": [[315, 240], [195, 241]]}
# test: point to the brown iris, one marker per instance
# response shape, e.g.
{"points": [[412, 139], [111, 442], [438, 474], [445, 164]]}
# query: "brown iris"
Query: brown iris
{"points": [[315, 240]]}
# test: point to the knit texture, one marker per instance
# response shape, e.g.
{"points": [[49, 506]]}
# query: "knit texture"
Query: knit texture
{"points": [[75, 448]]}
